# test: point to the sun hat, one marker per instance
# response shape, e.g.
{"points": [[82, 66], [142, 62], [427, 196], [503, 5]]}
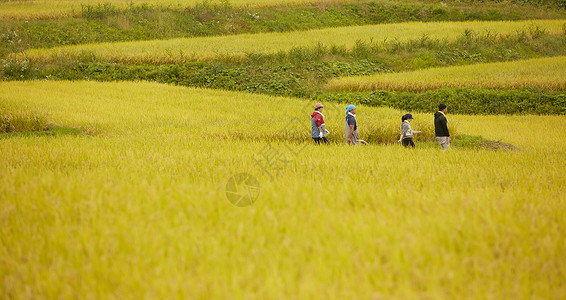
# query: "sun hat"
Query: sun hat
{"points": [[350, 107], [318, 105]]}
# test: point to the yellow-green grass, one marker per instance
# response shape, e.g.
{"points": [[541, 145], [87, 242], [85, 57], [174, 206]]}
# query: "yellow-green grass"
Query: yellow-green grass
{"points": [[178, 50], [547, 73], [20, 119], [223, 111], [39, 9], [33, 9], [138, 210]]}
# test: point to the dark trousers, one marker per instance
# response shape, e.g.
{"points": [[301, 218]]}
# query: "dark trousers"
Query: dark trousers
{"points": [[318, 140], [408, 142]]}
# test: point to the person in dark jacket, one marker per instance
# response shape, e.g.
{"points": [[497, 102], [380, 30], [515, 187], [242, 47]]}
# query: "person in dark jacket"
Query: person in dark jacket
{"points": [[441, 128]]}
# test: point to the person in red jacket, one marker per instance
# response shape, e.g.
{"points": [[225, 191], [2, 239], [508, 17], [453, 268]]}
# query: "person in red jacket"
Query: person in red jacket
{"points": [[318, 130]]}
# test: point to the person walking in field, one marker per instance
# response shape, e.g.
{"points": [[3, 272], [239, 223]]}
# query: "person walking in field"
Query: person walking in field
{"points": [[318, 131], [352, 136], [441, 128], [407, 132]]}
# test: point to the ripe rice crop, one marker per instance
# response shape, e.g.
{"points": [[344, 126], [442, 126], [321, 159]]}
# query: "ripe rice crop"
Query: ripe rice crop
{"points": [[139, 209], [18, 118], [547, 73], [185, 49], [20, 9], [381, 125]]}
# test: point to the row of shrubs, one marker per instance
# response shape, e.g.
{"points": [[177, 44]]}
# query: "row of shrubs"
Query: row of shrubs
{"points": [[461, 100], [277, 79]]}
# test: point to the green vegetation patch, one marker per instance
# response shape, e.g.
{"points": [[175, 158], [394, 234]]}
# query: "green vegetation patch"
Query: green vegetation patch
{"points": [[48, 130], [479, 142], [473, 142]]}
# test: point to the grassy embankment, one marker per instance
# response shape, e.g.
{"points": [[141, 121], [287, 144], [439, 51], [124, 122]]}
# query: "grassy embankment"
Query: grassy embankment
{"points": [[300, 63]]}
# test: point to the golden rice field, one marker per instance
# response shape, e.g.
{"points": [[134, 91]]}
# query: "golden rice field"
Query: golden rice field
{"points": [[548, 73], [185, 49], [43, 9], [137, 207], [37, 9]]}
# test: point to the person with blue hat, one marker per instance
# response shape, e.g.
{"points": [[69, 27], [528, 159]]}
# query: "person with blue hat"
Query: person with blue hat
{"points": [[407, 132], [352, 136]]}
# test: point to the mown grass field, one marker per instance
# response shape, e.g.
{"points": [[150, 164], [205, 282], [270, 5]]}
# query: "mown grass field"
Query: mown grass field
{"points": [[136, 206], [547, 73], [188, 49]]}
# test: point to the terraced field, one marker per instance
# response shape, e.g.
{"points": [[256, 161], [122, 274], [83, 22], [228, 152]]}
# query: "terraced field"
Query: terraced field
{"points": [[22, 9], [138, 207], [188, 49], [114, 185], [541, 73]]}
